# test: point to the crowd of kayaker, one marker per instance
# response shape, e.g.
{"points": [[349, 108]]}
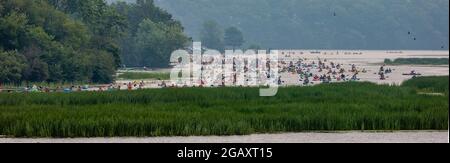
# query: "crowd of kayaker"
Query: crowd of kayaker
{"points": [[319, 71], [307, 71]]}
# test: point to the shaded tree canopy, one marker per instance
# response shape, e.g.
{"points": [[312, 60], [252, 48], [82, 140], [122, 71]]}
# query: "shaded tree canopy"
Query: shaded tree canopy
{"points": [[211, 36], [82, 40], [11, 66], [58, 40], [152, 34], [233, 37]]}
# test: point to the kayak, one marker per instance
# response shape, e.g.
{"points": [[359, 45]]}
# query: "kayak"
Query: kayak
{"points": [[412, 74]]}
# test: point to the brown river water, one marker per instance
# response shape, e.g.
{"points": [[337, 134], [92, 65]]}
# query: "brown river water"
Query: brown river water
{"points": [[307, 137]]}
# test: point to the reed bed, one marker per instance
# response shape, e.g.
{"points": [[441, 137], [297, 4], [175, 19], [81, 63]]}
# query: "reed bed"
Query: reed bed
{"points": [[224, 111], [429, 84]]}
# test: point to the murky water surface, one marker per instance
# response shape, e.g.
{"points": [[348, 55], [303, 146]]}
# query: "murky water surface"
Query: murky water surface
{"points": [[336, 137]]}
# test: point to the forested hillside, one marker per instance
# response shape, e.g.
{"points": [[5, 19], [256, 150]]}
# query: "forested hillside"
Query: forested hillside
{"points": [[82, 41], [54, 40]]}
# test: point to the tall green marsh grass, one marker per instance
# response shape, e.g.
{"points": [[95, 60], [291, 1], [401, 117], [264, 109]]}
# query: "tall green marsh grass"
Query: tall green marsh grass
{"points": [[224, 111]]}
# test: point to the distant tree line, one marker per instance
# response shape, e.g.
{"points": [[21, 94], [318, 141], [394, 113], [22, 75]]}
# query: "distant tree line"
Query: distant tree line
{"points": [[323, 24], [417, 61]]}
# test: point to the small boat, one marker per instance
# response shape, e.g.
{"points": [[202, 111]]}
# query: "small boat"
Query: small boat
{"points": [[409, 74], [412, 73]]}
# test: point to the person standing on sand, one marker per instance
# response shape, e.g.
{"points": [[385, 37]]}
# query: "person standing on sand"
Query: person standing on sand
{"points": [[354, 68], [355, 77], [306, 82], [382, 76], [163, 84], [382, 68], [343, 77], [141, 86], [130, 86]]}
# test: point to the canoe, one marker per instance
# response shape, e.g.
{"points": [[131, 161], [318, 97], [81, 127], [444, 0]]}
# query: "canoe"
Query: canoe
{"points": [[409, 74]]}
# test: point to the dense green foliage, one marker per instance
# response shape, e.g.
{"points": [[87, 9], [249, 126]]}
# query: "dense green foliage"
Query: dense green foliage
{"points": [[429, 84], [320, 24], [233, 38], [144, 75], [221, 111], [11, 66], [58, 40], [82, 41], [152, 34], [211, 36], [417, 61]]}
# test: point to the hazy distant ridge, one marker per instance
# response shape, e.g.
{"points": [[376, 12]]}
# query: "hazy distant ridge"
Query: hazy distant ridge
{"points": [[381, 24]]}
